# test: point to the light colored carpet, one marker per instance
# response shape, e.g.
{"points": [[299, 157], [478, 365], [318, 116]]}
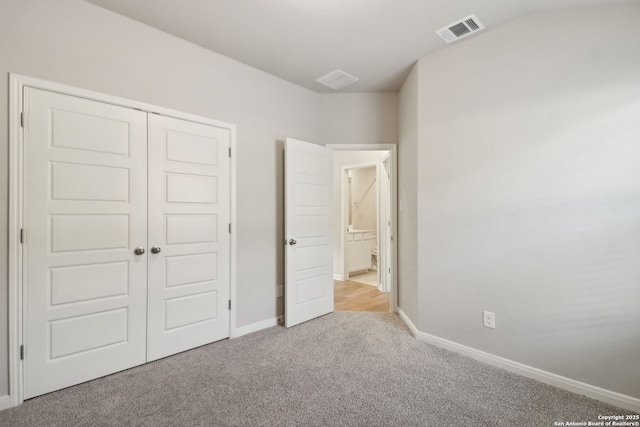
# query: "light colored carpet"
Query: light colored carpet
{"points": [[343, 369]]}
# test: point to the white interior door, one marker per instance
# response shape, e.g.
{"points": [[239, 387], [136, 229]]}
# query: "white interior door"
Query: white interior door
{"points": [[85, 175], [189, 215], [308, 253]]}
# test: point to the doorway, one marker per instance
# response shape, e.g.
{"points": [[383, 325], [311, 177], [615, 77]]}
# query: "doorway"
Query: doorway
{"points": [[363, 228]]}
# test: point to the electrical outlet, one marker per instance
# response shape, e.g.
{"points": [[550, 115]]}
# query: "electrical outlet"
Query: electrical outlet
{"points": [[489, 319]]}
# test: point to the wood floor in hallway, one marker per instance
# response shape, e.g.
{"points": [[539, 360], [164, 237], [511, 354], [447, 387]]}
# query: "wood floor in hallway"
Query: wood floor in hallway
{"points": [[353, 296]]}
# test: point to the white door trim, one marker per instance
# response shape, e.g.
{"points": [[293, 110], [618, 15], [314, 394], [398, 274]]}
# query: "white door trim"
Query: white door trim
{"points": [[393, 150], [385, 251], [16, 84]]}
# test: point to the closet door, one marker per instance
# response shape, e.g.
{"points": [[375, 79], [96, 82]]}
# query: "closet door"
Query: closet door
{"points": [[189, 211], [85, 289]]}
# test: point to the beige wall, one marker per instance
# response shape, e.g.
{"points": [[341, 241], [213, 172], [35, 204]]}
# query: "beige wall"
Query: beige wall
{"points": [[407, 196], [360, 118], [529, 194], [82, 45]]}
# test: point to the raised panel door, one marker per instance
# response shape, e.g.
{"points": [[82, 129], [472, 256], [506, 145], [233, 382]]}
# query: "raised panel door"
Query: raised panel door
{"points": [[85, 290], [308, 256], [189, 211]]}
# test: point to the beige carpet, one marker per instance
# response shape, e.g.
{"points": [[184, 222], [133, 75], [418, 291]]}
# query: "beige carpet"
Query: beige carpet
{"points": [[343, 369]]}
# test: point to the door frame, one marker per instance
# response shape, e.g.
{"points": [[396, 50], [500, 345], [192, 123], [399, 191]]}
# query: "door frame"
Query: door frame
{"points": [[344, 210], [393, 152], [385, 251], [16, 197]]}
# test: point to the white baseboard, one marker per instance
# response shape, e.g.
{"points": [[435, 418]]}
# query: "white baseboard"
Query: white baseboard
{"points": [[5, 402], [338, 277], [255, 327], [408, 322], [608, 396]]}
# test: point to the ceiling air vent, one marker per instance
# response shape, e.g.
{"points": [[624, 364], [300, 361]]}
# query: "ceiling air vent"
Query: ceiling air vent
{"points": [[337, 79], [467, 26]]}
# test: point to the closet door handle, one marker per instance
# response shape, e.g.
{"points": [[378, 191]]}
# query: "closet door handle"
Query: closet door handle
{"points": [[139, 250], [155, 249], [292, 242]]}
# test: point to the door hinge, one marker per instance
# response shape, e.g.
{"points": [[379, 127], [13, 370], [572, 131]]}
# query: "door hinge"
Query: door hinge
{"points": [[21, 120], [229, 151], [229, 228], [389, 270], [229, 304], [22, 235], [22, 352]]}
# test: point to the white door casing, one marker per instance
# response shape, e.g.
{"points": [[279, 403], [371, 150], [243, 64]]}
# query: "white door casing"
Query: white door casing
{"points": [[189, 216], [308, 250], [85, 177], [384, 244]]}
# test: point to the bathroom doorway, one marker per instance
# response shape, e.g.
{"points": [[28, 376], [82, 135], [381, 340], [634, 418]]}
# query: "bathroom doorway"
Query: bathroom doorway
{"points": [[364, 224]]}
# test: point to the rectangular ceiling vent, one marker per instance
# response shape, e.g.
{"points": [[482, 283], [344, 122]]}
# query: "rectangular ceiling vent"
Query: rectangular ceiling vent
{"points": [[463, 28], [337, 79]]}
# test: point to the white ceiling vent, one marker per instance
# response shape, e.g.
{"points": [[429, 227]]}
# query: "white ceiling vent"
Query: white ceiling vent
{"points": [[337, 79], [467, 26]]}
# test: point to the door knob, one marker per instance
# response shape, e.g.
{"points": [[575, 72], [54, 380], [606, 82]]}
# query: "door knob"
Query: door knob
{"points": [[139, 250], [155, 249], [292, 242]]}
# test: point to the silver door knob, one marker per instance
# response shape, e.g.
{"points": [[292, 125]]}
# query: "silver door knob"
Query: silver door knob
{"points": [[139, 250], [155, 249], [292, 242]]}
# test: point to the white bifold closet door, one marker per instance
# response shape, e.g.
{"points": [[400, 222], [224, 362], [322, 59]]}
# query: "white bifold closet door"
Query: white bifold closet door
{"points": [[98, 186]]}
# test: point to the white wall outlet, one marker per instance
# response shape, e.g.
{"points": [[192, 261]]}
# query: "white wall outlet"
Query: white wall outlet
{"points": [[279, 291], [489, 319]]}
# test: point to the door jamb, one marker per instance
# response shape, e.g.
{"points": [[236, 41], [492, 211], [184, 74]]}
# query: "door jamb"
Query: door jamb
{"points": [[392, 148], [386, 216], [16, 160]]}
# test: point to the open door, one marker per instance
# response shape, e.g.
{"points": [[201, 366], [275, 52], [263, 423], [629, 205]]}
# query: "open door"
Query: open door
{"points": [[308, 252]]}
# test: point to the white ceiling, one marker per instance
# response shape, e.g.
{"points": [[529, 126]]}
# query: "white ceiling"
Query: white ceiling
{"points": [[300, 40]]}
